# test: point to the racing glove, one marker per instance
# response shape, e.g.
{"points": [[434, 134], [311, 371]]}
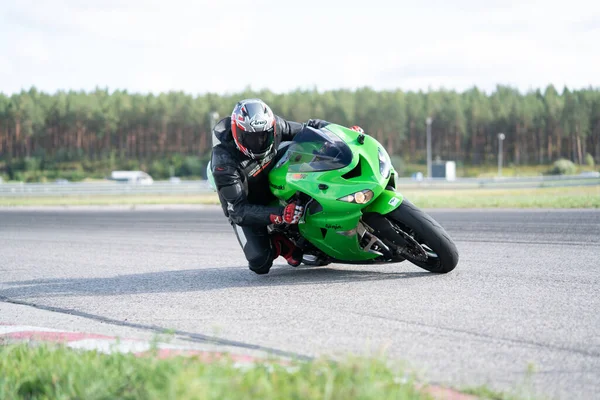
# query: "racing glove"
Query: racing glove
{"points": [[291, 215], [316, 123]]}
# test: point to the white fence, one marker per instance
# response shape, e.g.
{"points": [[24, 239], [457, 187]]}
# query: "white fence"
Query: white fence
{"points": [[202, 187]]}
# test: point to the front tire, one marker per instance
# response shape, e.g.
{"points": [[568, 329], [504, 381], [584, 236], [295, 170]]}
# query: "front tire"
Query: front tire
{"points": [[442, 255]]}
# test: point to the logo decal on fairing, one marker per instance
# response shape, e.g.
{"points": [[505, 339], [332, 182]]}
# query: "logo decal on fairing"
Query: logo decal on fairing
{"points": [[393, 201], [333, 226]]}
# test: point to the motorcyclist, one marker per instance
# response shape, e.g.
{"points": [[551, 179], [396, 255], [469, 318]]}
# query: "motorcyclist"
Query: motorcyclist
{"points": [[240, 163]]}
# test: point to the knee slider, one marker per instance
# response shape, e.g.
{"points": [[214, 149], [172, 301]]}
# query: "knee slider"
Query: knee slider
{"points": [[261, 265]]}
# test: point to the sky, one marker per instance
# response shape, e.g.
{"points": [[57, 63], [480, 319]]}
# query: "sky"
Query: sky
{"points": [[224, 46]]}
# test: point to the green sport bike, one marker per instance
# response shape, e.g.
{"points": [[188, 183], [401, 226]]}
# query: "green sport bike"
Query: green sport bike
{"points": [[353, 213]]}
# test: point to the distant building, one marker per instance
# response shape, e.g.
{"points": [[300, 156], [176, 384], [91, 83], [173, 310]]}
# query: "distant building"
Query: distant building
{"points": [[444, 169], [137, 177]]}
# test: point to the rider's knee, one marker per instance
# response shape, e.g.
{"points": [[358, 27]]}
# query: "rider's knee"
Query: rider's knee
{"points": [[260, 260], [261, 265]]}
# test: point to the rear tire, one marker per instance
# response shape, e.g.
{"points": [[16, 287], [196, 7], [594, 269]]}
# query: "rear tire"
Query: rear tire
{"points": [[426, 231]]}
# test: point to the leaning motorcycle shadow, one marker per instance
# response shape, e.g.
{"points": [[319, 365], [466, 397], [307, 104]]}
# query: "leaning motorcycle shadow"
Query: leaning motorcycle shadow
{"points": [[341, 273], [201, 280]]}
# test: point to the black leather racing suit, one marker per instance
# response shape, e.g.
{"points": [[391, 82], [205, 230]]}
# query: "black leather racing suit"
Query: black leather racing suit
{"points": [[243, 187]]}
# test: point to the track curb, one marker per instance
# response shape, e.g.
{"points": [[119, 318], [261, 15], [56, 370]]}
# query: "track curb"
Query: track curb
{"points": [[10, 334]]}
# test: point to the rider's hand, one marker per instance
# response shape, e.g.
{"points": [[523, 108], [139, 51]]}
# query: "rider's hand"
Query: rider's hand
{"points": [[316, 123], [291, 215]]}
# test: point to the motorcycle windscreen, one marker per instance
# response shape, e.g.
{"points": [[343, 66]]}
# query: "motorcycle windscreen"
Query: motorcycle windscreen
{"points": [[317, 150]]}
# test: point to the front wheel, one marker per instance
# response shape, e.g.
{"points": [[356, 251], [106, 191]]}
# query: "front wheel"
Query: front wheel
{"points": [[430, 246]]}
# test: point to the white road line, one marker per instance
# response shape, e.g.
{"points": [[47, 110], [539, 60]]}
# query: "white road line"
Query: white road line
{"points": [[110, 345]]}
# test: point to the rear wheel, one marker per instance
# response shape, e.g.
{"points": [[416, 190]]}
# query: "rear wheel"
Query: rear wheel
{"points": [[428, 245]]}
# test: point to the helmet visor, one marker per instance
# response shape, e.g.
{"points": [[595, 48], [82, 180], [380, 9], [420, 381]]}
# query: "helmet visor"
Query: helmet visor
{"points": [[258, 142], [252, 108]]}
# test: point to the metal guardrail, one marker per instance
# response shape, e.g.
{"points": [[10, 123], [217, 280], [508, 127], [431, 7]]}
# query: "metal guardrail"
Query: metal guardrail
{"points": [[103, 188], [202, 187]]}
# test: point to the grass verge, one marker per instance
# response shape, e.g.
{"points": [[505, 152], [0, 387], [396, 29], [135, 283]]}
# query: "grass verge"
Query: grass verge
{"points": [[49, 372], [561, 197]]}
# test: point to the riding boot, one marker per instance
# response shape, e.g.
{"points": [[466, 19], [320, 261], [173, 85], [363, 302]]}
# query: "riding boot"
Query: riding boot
{"points": [[287, 249]]}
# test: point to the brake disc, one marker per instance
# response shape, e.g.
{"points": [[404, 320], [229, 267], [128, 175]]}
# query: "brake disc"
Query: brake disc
{"points": [[413, 250]]}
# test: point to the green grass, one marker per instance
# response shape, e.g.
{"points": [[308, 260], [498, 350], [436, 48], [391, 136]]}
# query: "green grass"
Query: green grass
{"points": [[561, 197], [43, 372], [491, 170], [50, 371]]}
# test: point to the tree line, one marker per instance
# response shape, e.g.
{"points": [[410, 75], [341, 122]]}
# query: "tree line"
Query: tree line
{"points": [[540, 126]]}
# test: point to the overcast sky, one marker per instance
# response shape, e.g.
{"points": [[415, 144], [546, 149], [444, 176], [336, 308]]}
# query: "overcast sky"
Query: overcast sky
{"points": [[224, 46]]}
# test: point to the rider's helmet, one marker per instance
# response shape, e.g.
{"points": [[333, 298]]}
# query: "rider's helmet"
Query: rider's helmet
{"points": [[357, 129], [253, 128]]}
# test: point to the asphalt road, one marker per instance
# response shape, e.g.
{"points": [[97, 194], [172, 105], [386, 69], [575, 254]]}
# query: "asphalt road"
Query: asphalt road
{"points": [[524, 296]]}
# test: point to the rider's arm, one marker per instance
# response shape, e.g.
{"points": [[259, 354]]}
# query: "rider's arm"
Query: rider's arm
{"points": [[289, 129], [232, 193]]}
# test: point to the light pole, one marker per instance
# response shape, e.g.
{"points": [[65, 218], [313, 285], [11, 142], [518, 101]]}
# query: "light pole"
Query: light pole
{"points": [[428, 122], [501, 138], [214, 118]]}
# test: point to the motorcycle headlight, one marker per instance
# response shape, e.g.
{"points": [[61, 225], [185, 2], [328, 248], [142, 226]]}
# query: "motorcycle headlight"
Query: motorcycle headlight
{"points": [[362, 197], [384, 164]]}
